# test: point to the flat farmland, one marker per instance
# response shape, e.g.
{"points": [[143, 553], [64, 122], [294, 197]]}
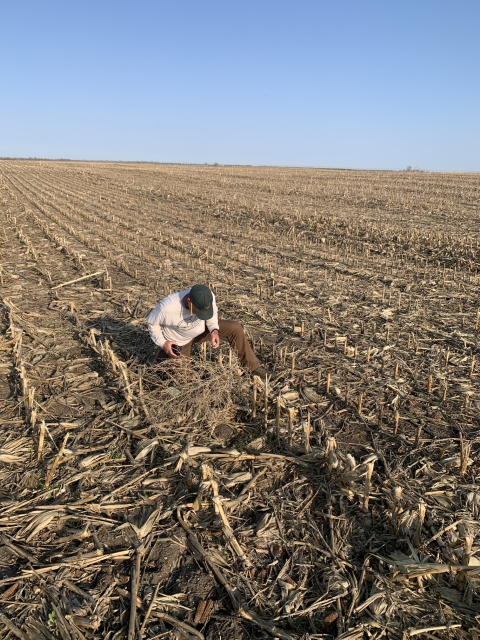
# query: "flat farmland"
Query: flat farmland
{"points": [[338, 499]]}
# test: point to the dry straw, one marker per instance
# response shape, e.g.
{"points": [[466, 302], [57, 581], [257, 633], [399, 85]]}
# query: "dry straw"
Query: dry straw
{"points": [[325, 546]]}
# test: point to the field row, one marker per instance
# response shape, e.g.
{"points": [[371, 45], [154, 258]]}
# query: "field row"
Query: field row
{"points": [[339, 497]]}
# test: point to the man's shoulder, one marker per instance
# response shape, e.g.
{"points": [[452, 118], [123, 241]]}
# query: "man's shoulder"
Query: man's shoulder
{"points": [[167, 303], [177, 296], [173, 298]]}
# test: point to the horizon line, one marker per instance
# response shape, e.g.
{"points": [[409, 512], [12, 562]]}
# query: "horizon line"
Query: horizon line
{"points": [[408, 169]]}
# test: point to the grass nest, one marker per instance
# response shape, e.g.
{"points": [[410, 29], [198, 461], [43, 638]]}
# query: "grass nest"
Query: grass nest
{"points": [[193, 392]]}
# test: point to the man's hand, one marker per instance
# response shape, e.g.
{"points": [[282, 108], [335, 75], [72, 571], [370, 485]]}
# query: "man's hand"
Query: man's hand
{"points": [[167, 347], [215, 339]]}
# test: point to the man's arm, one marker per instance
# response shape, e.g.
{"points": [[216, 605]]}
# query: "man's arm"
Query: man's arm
{"points": [[154, 322], [212, 325]]}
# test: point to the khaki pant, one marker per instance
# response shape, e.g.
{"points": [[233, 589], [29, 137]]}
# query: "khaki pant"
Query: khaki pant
{"points": [[234, 334]]}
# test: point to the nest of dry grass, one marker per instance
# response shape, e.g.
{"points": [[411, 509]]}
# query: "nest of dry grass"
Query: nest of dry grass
{"points": [[197, 393]]}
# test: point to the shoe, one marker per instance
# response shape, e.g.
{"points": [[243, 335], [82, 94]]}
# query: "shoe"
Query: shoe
{"points": [[261, 373]]}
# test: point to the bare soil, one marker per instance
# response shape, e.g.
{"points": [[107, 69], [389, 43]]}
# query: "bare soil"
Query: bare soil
{"points": [[148, 501]]}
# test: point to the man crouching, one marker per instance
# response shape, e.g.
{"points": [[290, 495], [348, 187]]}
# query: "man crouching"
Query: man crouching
{"points": [[188, 317]]}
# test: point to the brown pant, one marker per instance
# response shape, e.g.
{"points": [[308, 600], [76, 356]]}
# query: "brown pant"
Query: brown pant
{"points": [[234, 334]]}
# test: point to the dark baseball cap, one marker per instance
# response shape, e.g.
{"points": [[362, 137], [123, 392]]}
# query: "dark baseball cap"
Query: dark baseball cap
{"points": [[202, 299]]}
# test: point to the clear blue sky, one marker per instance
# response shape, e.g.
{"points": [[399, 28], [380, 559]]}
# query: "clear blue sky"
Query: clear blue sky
{"points": [[329, 83]]}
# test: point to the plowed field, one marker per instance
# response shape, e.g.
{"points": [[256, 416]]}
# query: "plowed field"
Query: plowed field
{"points": [[338, 499]]}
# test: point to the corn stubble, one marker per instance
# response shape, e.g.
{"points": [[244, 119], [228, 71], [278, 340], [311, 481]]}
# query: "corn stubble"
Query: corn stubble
{"points": [[338, 498]]}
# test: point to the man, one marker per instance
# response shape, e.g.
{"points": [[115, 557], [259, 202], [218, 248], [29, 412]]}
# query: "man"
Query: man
{"points": [[188, 317]]}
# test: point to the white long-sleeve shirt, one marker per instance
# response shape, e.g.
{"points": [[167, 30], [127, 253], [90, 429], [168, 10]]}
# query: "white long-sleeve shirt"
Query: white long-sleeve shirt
{"points": [[171, 321]]}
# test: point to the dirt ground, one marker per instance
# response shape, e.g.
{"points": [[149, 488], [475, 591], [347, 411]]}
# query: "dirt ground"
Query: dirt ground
{"points": [[338, 501]]}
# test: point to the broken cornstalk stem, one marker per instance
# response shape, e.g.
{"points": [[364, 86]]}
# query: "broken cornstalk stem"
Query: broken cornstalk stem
{"points": [[90, 275], [134, 591]]}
